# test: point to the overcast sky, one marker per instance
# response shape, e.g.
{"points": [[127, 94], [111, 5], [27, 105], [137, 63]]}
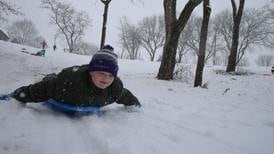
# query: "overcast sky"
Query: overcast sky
{"points": [[135, 12]]}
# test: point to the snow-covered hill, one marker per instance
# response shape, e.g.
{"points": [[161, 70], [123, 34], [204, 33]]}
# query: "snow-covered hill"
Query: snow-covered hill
{"points": [[235, 115]]}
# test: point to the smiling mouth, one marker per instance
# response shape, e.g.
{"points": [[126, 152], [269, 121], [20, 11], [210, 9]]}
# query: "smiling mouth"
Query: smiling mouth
{"points": [[103, 82]]}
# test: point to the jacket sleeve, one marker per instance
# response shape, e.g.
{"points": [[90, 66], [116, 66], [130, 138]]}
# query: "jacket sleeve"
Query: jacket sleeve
{"points": [[127, 98], [38, 92]]}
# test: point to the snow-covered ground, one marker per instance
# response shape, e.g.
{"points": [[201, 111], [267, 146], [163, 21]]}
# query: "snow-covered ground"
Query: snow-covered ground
{"points": [[235, 115]]}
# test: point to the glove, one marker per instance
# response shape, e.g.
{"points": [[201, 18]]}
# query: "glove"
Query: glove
{"points": [[137, 104], [20, 94], [133, 108]]}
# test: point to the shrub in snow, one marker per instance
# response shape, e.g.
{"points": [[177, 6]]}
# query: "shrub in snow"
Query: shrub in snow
{"points": [[243, 62], [183, 73], [239, 71]]}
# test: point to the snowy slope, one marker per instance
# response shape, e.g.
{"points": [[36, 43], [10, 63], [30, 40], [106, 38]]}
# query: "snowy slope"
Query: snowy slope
{"points": [[176, 118]]}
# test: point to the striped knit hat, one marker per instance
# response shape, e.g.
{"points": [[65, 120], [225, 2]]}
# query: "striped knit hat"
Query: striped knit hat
{"points": [[104, 60]]}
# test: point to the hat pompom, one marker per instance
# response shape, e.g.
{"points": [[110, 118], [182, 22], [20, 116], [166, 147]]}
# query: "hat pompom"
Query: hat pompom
{"points": [[109, 47]]}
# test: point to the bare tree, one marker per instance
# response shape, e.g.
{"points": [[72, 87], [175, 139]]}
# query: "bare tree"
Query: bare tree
{"points": [[189, 39], [214, 45], [105, 16], [225, 21], [256, 30], [265, 60], [193, 27], [129, 38], [192, 40], [152, 34], [237, 15], [24, 31], [202, 45], [183, 49], [7, 8], [36, 42], [173, 28], [71, 24], [85, 48], [185, 36]]}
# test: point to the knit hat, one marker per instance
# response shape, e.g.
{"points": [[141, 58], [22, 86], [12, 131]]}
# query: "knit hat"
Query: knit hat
{"points": [[104, 60]]}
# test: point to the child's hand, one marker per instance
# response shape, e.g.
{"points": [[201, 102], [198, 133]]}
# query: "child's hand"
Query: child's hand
{"points": [[137, 104], [132, 108], [20, 94]]}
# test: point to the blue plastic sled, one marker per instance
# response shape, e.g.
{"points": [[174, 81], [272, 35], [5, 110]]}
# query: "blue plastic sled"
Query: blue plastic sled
{"points": [[65, 108], [73, 109], [6, 97]]}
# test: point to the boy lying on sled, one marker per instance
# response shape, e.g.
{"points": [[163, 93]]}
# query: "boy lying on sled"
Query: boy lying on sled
{"points": [[93, 85]]}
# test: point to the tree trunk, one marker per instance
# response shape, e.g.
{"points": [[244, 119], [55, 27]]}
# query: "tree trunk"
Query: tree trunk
{"points": [[237, 15], [173, 28], [169, 58], [202, 45], [103, 35]]}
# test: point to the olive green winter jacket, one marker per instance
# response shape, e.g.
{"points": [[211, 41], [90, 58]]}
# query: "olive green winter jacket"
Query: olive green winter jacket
{"points": [[74, 86]]}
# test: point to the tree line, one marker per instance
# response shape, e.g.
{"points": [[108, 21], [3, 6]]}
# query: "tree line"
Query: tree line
{"points": [[220, 40], [71, 25], [149, 33]]}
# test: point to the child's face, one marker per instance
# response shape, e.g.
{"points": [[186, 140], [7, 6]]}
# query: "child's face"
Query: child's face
{"points": [[101, 79]]}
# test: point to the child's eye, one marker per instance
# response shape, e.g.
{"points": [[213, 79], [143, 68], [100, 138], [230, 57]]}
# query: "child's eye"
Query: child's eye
{"points": [[110, 75], [101, 73]]}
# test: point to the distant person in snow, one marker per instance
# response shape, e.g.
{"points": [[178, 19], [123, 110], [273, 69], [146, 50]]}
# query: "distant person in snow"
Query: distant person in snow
{"points": [[43, 51], [44, 44], [93, 84], [40, 53], [54, 47]]}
